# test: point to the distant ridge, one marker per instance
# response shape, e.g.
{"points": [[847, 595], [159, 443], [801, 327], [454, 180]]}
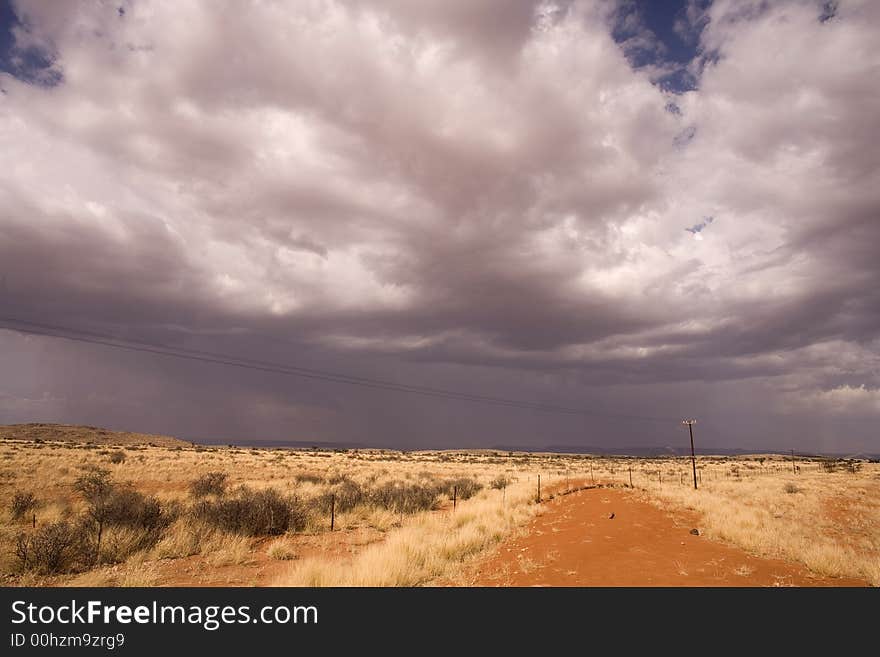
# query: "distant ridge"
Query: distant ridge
{"points": [[76, 433]]}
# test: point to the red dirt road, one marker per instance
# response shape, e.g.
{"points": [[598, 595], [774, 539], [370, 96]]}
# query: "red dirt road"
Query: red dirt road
{"points": [[575, 543]]}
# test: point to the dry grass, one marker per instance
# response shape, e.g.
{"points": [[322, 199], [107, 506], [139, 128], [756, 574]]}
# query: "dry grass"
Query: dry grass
{"points": [[432, 547], [828, 521], [281, 550]]}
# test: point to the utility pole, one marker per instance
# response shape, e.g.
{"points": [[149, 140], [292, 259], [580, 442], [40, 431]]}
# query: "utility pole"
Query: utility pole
{"points": [[690, 425]]}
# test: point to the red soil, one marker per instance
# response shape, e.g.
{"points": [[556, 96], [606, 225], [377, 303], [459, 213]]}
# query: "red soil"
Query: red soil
{"points": [[574, 542]]}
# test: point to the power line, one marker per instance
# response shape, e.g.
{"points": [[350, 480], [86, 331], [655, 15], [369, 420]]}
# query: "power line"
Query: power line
{"points": [[89, 337]]}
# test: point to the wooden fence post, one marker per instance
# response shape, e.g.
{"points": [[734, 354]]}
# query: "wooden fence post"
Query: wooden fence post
{"points": [[332, 511]]}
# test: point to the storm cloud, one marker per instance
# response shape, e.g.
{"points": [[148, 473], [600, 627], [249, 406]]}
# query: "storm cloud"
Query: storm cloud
{"points": [[487, 196]]}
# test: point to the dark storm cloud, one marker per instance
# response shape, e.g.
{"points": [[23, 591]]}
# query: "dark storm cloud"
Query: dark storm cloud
{"points": [[480, 195]]}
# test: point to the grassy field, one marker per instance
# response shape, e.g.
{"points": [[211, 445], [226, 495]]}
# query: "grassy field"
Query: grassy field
{"points": [[118, 511]]}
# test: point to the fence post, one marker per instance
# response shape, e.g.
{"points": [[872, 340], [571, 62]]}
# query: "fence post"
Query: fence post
{"points": [[539, 488], [454, 496], [332, 511], [630, 476]]}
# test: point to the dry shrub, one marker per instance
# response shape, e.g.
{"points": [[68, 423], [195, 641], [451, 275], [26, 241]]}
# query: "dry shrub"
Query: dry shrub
{"points": [[499, 482], [347, 494], [253, 513], [463, 487], [210, 483], [117, 457], [59, 547], [309, 478], [120, 506], [404, 498], [136, 523], [22, 503]]}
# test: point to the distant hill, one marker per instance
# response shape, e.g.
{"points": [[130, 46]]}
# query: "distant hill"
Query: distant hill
{"points": [[84, 434]]}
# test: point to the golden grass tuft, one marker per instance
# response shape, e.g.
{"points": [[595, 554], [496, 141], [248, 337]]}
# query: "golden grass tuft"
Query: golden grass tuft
{"points": [[281, 550]]}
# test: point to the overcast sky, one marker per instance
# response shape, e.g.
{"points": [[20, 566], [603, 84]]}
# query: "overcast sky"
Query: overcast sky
{"points": [[661, 210]]}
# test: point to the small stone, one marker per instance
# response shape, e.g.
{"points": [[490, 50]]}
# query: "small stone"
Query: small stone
{"points": [[611, 517], [695, 532]]}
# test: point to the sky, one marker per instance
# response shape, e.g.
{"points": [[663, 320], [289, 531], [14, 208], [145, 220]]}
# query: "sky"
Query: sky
{"points": [[644, 211]]}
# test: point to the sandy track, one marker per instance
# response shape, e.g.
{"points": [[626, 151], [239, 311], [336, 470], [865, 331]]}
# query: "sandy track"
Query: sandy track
{"points": [[574, 542]]}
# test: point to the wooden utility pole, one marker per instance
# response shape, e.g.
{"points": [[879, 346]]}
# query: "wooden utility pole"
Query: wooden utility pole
{"points": [[454, 496], [793, 470], [630, 476], [539, 488], [690, 425]]}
